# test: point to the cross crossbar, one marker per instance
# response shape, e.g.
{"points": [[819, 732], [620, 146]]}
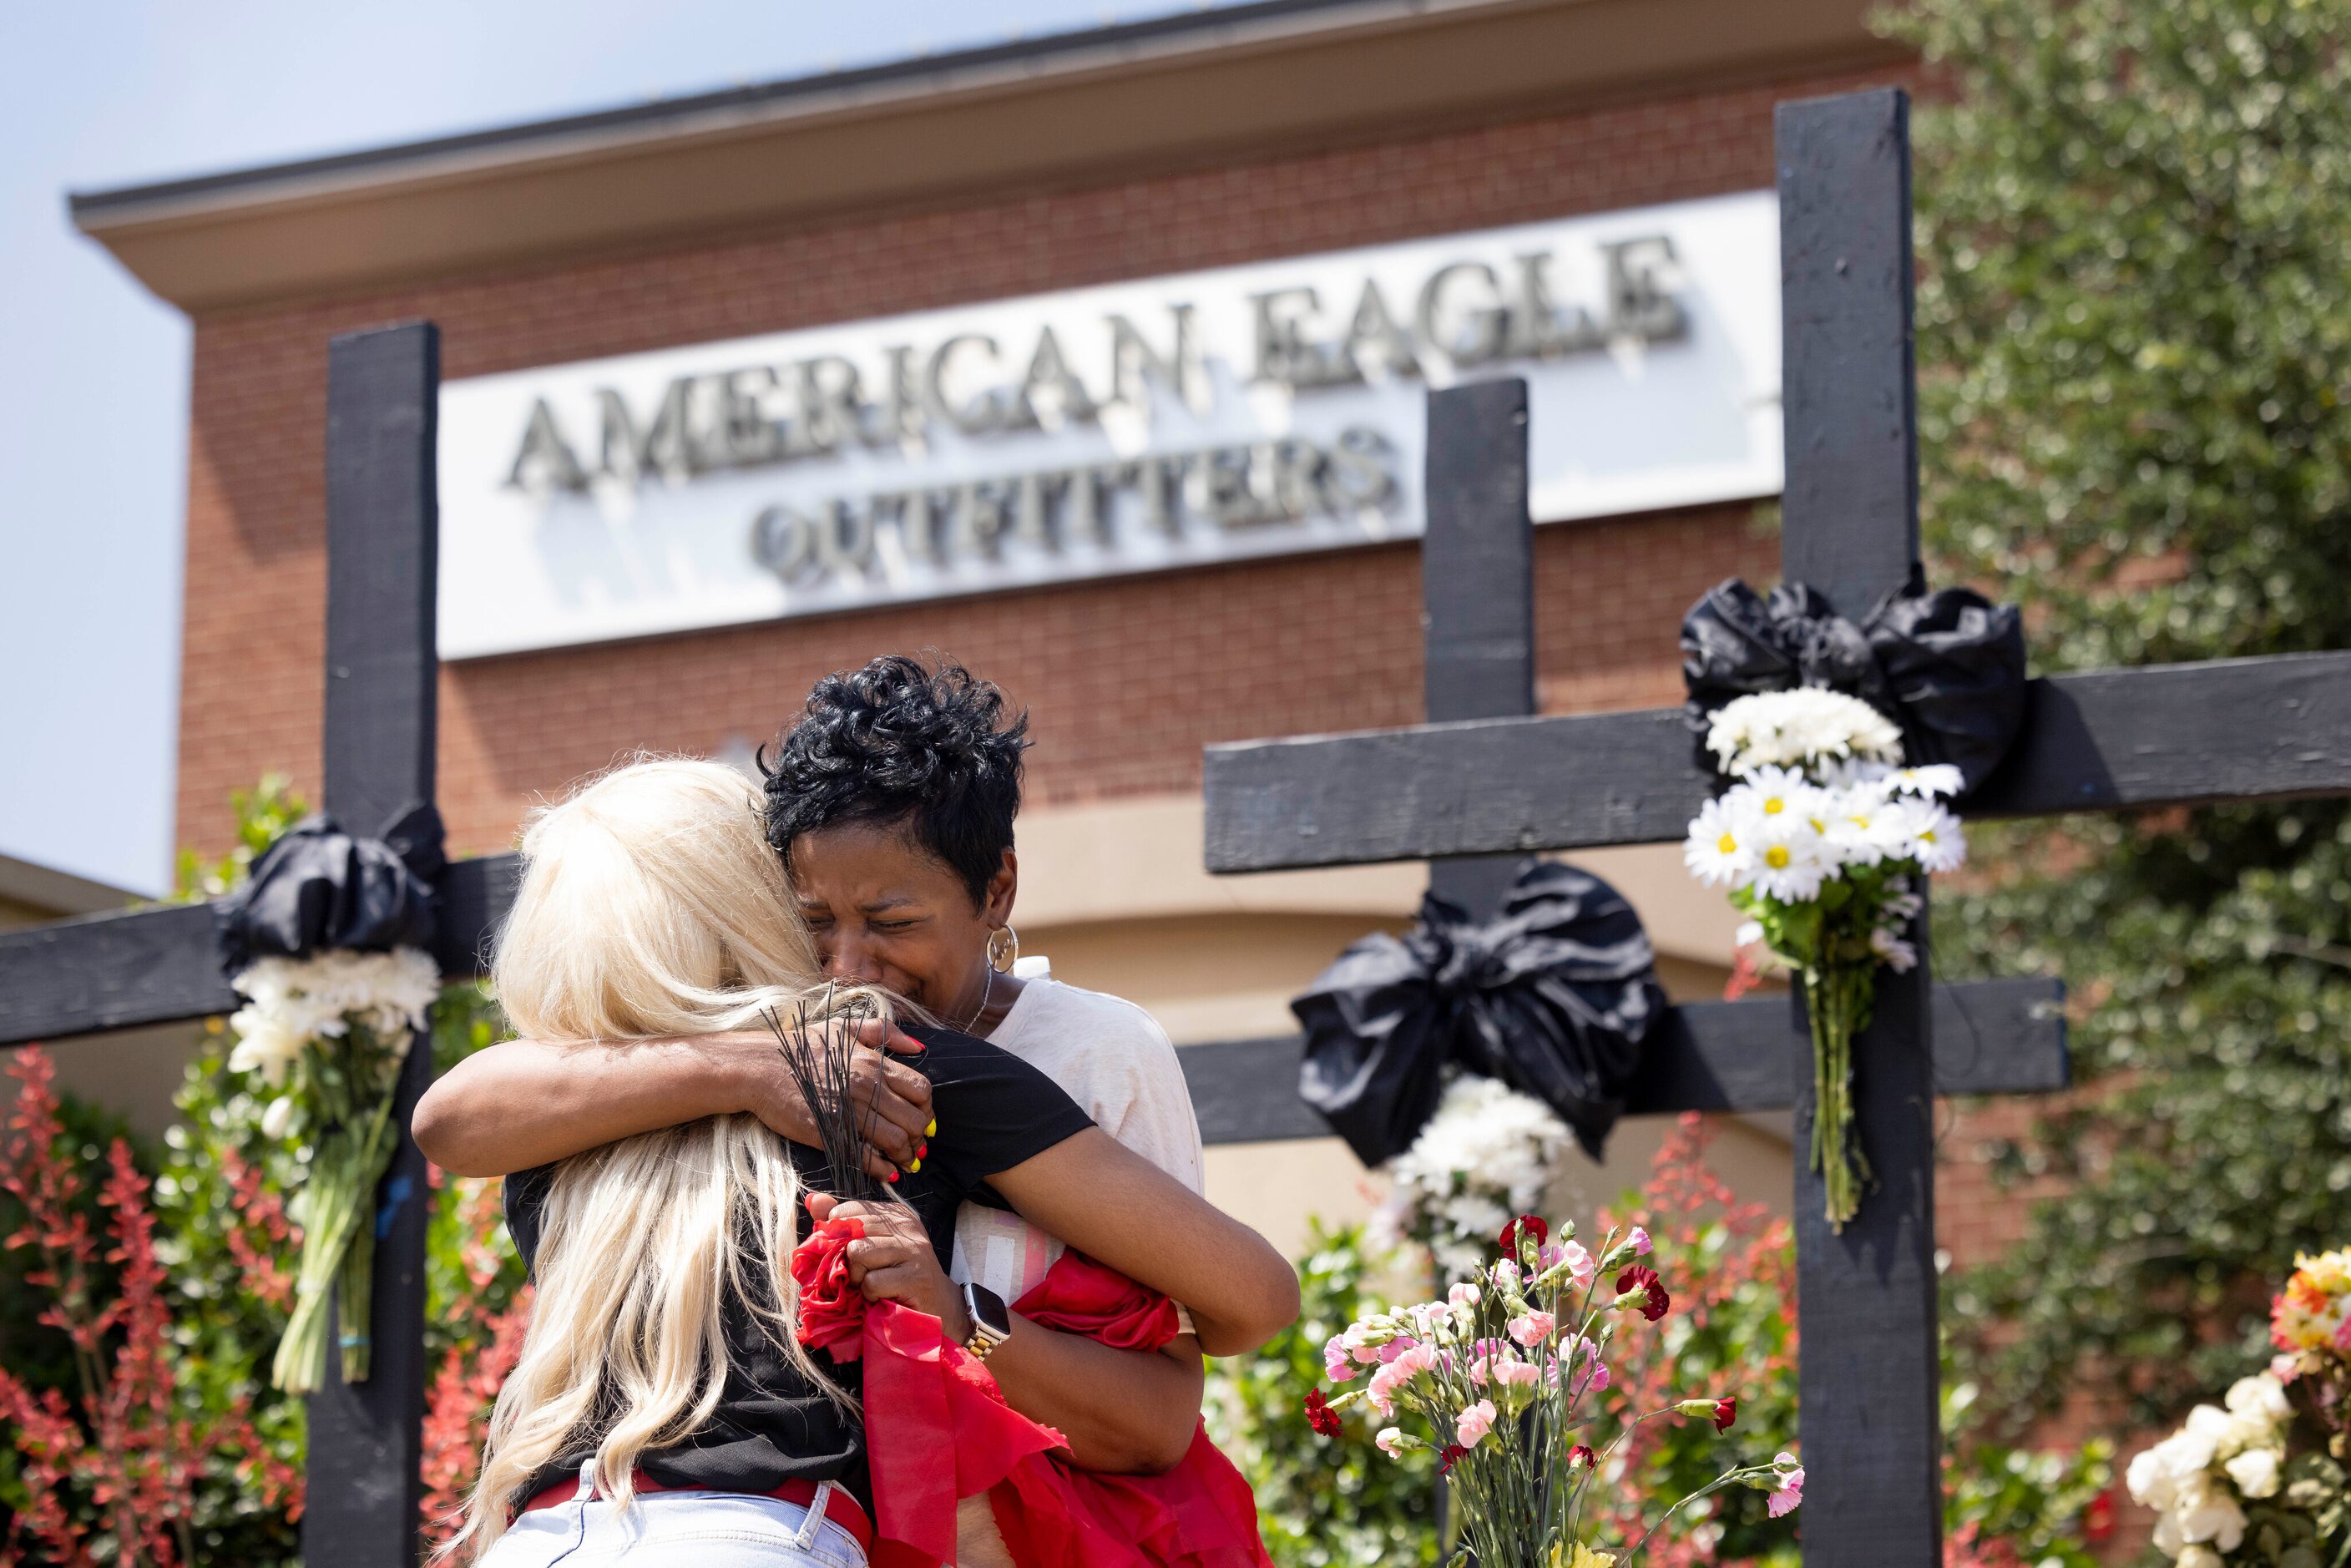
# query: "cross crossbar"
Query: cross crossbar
{"points": [[1993, 1037], [113, 971], [2161, 735]]}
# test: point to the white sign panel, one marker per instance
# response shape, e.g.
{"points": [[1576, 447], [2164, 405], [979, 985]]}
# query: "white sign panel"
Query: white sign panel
{"points": [[1253, 410]]}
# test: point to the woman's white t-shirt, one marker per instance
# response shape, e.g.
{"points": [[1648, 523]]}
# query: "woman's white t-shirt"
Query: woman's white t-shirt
{"points": [[1118, 1064]]}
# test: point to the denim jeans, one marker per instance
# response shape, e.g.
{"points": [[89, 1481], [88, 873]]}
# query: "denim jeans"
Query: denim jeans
{"points": [[676, 1529]]}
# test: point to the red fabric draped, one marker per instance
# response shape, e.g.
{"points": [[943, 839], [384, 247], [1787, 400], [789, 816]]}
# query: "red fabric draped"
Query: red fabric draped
{"points": [[936, 1427], [1200, 1514]]}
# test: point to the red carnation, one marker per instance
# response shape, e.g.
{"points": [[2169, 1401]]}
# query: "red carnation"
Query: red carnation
{"points": [[1319, 1414], [1446, 1455], [1524, 1225], [1726, 1411], [1582, 1456], [1642, 1278]]}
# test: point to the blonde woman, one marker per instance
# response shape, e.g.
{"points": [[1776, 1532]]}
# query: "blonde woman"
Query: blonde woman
{"points": [[662, 1407]]}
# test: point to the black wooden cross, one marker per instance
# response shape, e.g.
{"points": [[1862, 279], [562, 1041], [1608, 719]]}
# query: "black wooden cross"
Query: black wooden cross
{"points": [[2230, 730], [113, 971]]}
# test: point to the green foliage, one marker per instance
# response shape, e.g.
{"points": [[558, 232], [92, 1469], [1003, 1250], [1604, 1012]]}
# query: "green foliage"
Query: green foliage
{"points": [[2135, 412], [1322, 1503], [2017, 1506], [263, 813]]}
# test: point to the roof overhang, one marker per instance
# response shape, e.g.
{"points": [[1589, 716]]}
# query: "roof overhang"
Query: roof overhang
{"points": [[48, 892], [1276, 75]]}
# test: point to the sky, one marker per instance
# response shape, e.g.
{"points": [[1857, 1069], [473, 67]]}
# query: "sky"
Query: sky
{"points": [[94, 370]]}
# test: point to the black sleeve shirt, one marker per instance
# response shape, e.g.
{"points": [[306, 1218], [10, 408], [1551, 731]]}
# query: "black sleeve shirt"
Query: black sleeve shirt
{"points": [[995, 1112]]}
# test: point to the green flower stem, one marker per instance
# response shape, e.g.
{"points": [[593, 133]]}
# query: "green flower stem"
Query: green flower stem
{"points": [[1838, 997], [338, 1220]]}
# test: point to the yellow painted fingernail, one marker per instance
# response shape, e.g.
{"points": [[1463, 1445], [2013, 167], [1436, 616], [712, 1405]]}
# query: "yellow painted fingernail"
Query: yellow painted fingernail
{"points": [[933, 1130], [913, 1168]]}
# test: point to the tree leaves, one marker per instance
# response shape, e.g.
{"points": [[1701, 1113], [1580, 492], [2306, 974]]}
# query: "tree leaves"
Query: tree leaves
{"points": [[2135, 360]]}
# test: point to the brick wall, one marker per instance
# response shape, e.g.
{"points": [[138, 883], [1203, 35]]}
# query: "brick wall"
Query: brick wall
{"points": [[1127, 679]]}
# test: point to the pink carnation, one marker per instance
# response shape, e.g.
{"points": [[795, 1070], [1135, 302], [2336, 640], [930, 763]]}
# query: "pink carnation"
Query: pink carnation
{"points": [[1580, 1266], [1336, 1365], [1474, 1423], [1639, 1241], [1790, 1491], [1531, 1329], [1524, 1373]]}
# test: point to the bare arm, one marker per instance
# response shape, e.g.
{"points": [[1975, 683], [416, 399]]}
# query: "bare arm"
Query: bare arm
{"points": [[1126, 1411], [1122, 1211], [526, 1102]]}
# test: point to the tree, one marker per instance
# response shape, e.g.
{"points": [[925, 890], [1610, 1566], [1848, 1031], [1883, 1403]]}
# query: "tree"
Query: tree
{"points": [[2134, 225]]}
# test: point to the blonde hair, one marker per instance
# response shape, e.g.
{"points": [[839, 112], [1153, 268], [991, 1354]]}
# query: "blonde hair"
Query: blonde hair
{"points": [[651, 906]]}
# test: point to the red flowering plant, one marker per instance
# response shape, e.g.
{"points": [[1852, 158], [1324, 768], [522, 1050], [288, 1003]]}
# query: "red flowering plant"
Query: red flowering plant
{"points": [[1507, 1375], [116, 1466], [144, 1287], [1735, 1320], [470, 1267]]}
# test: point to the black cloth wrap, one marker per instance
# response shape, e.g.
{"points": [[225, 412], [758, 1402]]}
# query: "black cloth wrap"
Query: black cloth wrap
{"points": [[1553, 997], [1946, 666], [318, 887]]}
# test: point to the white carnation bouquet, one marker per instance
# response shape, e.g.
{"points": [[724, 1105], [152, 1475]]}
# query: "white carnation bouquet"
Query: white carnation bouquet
{"points": [[327, 1035], [1488, 1152], [1823, 841]]}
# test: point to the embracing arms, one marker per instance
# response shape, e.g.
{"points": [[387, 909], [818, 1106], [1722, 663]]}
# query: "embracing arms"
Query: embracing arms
{"points": [[529, 1102]]}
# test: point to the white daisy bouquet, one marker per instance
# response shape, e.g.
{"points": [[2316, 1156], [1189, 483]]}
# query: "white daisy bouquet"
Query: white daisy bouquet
{"points": [[1823, 841], [1506, 1375], [327, 1035]]}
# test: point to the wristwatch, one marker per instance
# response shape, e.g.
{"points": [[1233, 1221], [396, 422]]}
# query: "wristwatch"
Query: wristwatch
{"points": [[991, 1321]]}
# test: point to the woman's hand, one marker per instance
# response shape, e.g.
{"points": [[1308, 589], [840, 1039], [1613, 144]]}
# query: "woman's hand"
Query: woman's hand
{"points": [[894, 1262], [899, 1130]]}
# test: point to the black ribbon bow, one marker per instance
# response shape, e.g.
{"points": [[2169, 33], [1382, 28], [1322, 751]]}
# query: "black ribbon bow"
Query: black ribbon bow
{"points": [[318, 887], [1948, 666], [1553, 997]]}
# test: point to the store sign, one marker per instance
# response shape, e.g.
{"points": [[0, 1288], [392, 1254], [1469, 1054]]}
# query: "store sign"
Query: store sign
{"points": [[1254, 411]]}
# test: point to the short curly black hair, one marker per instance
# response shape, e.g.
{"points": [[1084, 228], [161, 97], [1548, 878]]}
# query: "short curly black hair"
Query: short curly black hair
{"points": [[897, 742]]}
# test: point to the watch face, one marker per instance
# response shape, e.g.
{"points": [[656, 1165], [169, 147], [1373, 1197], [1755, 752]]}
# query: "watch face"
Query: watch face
{"points": [[988, 1309]]}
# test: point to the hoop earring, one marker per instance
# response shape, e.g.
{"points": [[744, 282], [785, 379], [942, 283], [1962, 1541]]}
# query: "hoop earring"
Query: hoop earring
{"points": [[1003, 949]]}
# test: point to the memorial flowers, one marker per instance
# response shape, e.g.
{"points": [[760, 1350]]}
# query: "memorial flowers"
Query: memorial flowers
{"points": [[1503, 1377], [2310, 1325], [1823, 839], [1488, 1152], [2233, 1485], [327, 1035]]}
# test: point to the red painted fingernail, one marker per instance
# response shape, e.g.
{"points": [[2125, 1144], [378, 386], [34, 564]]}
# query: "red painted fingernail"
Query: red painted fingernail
{"points": [[924, 1150], [894, 1176]]}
